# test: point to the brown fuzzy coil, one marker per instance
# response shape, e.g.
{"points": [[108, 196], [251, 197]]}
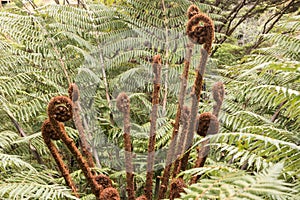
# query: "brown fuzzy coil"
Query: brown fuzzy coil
{"points": [[109, 194], [60, 108], [103, 180], [201, 33], [48, 131], [73, 92], [123, 102], [208, 124], [192, 11], [177, 186]]}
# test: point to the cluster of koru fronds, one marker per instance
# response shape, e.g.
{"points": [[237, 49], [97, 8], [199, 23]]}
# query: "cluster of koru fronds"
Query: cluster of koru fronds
{"points": [[200, 30], [62, 109]]}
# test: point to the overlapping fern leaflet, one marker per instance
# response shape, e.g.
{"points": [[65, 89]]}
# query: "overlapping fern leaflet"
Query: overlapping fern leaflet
{"points": [[33, 185], [40, 55], [230, 183]]}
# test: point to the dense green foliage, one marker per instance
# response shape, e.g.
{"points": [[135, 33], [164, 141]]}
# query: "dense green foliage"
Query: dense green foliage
{"points": [[108, 49]]}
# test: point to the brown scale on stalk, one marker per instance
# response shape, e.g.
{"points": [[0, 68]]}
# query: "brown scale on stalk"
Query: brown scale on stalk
{"points": [[56, 116], [218, 93], [181, 140], [123, 104], [74, 95], [73, 92], [170, 154], [177, 186], [49, 134], [153, 118], [195, 96]]}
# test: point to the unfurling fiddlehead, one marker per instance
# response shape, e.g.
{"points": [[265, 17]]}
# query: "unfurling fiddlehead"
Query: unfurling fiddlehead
{"points": [[48, 131], [86, 149], [208, 124], [200, 33], [183, 85], [197, 33], [200, 30], [153, 118], [103, 180], [123, 104], [49, 134], [60, 110]]}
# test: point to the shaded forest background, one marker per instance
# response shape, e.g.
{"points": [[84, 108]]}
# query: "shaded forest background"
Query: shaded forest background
{"points": [[106, 47]]}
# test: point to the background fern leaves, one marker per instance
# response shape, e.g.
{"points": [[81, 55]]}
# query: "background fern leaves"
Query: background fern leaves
{"points": [[109, 49], [228, 183]]}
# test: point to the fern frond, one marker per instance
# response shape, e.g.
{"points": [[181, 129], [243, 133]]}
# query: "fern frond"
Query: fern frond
{"points": [[285, 42], [6, 139], [257, 150], [273, 132], [32, 190], [239, 185], [13, 161]]}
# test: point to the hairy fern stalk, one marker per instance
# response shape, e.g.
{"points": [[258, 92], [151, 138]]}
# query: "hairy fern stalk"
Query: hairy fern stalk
{"points": [[107, 50]]}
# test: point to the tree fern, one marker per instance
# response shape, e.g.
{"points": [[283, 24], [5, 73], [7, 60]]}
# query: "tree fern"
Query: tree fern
{"points": [[106, 50]]}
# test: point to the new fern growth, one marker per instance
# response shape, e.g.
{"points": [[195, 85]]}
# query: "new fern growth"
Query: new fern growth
{"points": [[200, 30], [151, 145], [198, 34], [185, 115], [123, 104], [49, 134], [60, 109], [192, 28], [208, 124]]}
